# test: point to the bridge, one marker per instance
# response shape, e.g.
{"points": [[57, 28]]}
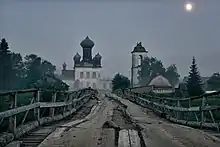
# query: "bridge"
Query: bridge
{"points": [[95, 118]]}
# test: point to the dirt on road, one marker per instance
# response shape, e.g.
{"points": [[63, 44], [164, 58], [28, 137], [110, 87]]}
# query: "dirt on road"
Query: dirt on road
{"points": [[124, 124]]}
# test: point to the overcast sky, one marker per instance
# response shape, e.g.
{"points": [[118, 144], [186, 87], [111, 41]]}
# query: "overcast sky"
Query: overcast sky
{"points": [[53, 30]]}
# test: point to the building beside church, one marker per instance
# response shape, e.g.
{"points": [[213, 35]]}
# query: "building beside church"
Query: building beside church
{"points": [[161, 85], [158, 84], [86, 70]]}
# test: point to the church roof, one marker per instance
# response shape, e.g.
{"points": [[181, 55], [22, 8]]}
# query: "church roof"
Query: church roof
{"points": [[139, 48], [98, 56], [160, 81], [87, 43], [77, 56]]}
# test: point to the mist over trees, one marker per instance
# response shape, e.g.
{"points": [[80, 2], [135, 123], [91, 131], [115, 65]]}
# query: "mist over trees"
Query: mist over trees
{"points": [[28, 72], [151, 66]]}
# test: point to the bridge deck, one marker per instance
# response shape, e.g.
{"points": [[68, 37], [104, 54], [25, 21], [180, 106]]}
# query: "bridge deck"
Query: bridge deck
{"points": [[156, 132], [159, 133]]}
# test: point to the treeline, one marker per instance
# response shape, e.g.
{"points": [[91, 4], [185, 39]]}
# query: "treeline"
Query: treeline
{"points": [[194, 85], [31, 71]]}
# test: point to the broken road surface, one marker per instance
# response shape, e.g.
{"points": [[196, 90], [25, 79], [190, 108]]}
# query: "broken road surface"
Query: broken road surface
{"points": [[111, 125]]}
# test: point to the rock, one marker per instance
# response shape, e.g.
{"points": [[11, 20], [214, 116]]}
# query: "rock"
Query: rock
{"points": [[160, 122]]}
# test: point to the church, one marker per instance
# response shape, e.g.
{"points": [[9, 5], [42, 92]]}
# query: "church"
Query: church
{"points": [[159, 84], [86, 70]]}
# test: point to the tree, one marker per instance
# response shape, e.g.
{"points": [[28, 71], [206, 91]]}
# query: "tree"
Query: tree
{"points": [[33, 69], [18, 74], [151, 66], [36, 69], [213, 82], [194, 83], [5, 66], [172, 75], [120, 82]]}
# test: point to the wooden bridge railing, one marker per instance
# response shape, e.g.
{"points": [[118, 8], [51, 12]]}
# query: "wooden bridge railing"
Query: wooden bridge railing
{"points": [[24, 110], [201, 111]]}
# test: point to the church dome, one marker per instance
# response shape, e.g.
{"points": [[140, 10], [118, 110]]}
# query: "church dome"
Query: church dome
{"points": [[160, 81], [87, 43], [98, 56], [77, 57], [139, 48]]}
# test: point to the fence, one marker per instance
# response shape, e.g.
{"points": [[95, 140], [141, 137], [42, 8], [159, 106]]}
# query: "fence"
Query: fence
{"points": [[200, 112], [24, 110]]}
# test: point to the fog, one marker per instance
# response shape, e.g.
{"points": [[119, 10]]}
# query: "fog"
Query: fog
{"points": [[54, 30]]}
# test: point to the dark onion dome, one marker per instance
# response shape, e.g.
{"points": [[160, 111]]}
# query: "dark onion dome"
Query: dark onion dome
{"points": [[98, 56], [139, 48], [87, 43], [64, 65], [77, 57]]}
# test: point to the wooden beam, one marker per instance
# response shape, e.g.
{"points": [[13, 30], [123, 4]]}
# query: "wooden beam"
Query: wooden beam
{"points": [[26, 113], [14, 111]]}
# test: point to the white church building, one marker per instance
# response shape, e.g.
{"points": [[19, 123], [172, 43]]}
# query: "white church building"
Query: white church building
{"points": [[86, 70]]}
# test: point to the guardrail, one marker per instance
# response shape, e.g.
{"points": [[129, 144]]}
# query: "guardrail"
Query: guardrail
{"points": [[18, 118], [200, 112]]}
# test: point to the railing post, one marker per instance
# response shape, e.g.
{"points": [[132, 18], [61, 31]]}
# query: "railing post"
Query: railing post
{"points": [[38, 109], [65, 100], [178, 113], [163, 109], [188, 116], [52, 110], [202, 112], [12, 119]]}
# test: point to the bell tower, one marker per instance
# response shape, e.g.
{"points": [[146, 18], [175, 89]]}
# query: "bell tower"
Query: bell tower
{"points": [[138, 54]]}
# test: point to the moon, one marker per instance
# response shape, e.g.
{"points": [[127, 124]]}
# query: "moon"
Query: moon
{"points": [[188, 7]]}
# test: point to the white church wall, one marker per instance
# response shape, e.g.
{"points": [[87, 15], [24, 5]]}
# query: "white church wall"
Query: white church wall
{"points": [[136, 61], [106, 84], [88, 79]]}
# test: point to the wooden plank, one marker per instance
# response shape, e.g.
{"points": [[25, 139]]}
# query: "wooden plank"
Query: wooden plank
{"points": [[108, 137], [135, 140], [73, 123], [11, 112], [17, 91], [123, 140]]}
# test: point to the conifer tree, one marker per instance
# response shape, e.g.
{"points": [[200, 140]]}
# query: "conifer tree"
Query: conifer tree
{"points": [[194, 83]]}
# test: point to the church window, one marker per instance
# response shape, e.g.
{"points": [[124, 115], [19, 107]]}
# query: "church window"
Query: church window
{"points": [[94, 85], [93, 75], [87, 75], [140, 60], [81, 75]]}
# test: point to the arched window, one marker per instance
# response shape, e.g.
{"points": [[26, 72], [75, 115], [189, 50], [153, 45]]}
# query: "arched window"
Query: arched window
{"points": [[87, 75], [81, 75], [93, 75], [140, 59], [94, 85]]}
